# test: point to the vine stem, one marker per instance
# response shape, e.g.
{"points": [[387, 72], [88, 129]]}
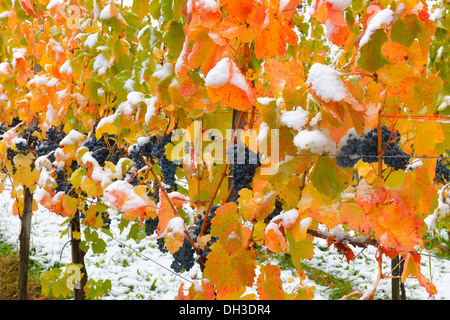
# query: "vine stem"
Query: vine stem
{"points": [[174, 209], [222, 176]]}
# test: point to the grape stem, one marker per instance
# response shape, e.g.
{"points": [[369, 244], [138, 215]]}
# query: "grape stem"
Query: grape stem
{"points": [[174, 209]]}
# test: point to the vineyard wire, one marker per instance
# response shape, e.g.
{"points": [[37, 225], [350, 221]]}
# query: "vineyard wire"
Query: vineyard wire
{"points": [[146, 257]]}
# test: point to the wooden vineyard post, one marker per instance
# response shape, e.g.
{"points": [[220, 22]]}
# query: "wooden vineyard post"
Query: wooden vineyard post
{"points": [[395, 263], [78, 257], [24, 239]]}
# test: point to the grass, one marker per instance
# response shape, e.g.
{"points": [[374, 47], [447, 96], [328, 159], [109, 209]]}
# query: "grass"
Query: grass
{"points": [[337, 287], [9, 275], [438, 245]]}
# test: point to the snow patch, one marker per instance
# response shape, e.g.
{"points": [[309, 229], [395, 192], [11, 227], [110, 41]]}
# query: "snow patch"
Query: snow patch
{"points": [[326, 83], [385, 17]]}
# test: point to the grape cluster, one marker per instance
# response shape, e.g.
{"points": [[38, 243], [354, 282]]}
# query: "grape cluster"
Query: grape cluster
{"points": [[104, 149], [396, 158], [53, 136], [348, 155], [161, 245], [142, 150], [243, 168], [366, 148], [23, 143], [30, 138], [198, 227], [442, 173], [151, 148], [62, 183], [168, 168], [183, 257], [3, 129], [151, 225], [368, 145]]}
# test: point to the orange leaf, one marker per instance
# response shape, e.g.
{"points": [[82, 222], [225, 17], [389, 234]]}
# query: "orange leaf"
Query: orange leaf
{"points": [[279, 72], [270, 286], [225, 83], [205, 52], [28, 8], [412, 267], [227, 226], [230, 273], [204, 292], [429, 133], [174, 234], [272, 30], [123, 196], [238, 9], [205, 13]]}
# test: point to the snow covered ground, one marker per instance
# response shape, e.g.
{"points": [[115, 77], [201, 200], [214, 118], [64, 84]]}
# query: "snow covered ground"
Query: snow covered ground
{"points": [[141, 271]]}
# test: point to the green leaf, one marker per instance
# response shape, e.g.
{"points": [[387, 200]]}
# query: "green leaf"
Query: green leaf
{"points": [[93, 87], [155, 9], [174, 38], [98, 245], [370, 56], [96, 289], [136, 232], [330, 179], [300, 250], [405, 30], [141, 8], [149, 37]]}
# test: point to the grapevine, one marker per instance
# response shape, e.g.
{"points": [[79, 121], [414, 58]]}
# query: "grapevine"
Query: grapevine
{"points": [[329, 95]]}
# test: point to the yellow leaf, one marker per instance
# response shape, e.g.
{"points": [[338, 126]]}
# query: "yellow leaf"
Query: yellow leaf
{"points": [[76, 235], [429, 133], [69, 205], [24, 160], [76, 177], [27, 176], [90, 187], [174, 237]]}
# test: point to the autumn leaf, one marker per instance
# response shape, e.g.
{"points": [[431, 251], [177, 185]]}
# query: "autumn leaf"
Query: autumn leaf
{"points": [[279, 71], [272, 30], [174, 234], [371, 59], [319, 207], [28, 7], [412, 267], [123, 196], [226, 84], [199, 290], [227, 226], [238, 9], [428, 134], [275, 231], [270, 286], [330, 182], [230, 273]]}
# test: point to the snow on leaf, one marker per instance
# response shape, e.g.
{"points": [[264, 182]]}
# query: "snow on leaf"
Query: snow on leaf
{"points": [[275, 230], [226, 84], [123, 196], [326, 83], [199, 290], [174, 234]]}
